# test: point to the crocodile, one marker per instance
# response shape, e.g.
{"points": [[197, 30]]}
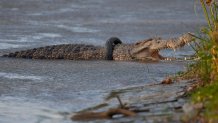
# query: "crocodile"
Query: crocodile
{"points": [[144, 50]]}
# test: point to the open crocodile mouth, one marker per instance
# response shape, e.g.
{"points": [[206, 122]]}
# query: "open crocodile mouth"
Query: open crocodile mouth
{"points": [[150, 49], [173, 56], [159, 46]]}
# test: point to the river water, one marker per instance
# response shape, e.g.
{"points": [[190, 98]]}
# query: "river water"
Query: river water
{"points": [[44, 91]]}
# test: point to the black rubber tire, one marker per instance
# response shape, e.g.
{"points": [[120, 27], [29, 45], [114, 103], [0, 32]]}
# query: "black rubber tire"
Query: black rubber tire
{"points": [[110, 44]]}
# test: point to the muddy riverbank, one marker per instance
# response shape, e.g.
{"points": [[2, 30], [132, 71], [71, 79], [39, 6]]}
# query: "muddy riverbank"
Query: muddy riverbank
{"points": [[152, 103]]}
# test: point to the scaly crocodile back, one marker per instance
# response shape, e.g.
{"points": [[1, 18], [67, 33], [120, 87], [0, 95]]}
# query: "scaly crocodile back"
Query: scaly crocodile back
{"points": [[122, 52], [70, 51], [64, 51]]}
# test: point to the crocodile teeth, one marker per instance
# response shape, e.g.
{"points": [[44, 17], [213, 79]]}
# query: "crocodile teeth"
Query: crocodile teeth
{"points": [[167, 59]]}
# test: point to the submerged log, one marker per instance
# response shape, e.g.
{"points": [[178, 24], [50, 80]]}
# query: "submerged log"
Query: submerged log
{"points": [[102, 115]]}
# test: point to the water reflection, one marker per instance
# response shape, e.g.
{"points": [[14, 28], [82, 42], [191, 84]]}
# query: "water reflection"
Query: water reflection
{"points": [[16, 110]]}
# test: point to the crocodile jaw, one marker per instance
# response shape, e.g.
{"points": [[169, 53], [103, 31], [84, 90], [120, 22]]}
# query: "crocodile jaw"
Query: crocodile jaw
{"points": [[148, 54], [149, 49]]}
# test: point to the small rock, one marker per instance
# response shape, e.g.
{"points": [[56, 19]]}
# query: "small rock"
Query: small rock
{"points": [[167, 81], [191, 111]]}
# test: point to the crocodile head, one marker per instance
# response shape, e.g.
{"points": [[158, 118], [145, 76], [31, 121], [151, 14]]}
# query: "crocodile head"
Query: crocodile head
{"points": [[149, 49]]}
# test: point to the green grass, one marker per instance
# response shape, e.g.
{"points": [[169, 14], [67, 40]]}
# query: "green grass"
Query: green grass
{"points": [[208, 95], [206, 69]]}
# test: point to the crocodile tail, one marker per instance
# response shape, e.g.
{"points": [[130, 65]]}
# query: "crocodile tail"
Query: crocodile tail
{"points": [[48, 52], [63, 51], [110, 44], [22, 54], [35, 53], [19, 54]]}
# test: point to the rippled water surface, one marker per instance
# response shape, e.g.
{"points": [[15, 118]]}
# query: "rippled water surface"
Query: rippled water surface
{"points": [[44, 91]]}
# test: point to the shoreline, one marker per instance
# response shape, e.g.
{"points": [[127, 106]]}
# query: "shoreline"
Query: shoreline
{"points": [[165, 103]]}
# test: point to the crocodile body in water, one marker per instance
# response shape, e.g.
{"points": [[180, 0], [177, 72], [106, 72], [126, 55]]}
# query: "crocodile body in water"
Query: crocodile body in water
{"points": [[145, 50]]}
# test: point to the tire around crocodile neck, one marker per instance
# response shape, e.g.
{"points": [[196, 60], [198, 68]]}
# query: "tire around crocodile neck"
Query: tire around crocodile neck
{"points": [[110, 44]]}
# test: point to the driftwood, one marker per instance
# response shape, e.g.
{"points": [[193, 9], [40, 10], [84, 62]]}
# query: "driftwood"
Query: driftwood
{"points": [[106, 114], [102, 115]]}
